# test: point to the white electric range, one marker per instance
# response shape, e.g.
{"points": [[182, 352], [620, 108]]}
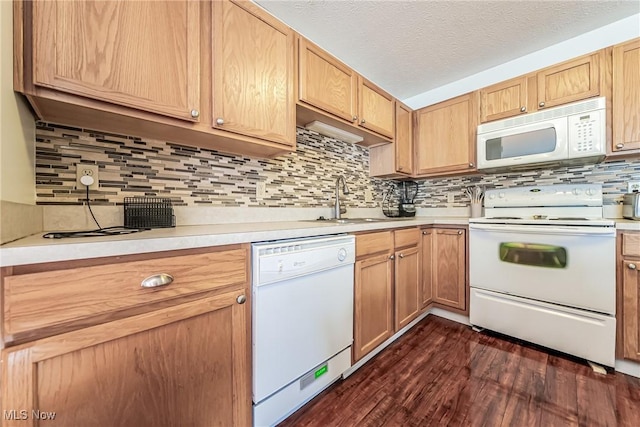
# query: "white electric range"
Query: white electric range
{"points": [[542, 269]]}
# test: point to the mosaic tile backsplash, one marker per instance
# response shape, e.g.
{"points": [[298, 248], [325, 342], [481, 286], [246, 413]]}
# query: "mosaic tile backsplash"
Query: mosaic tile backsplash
{"points": [[131, 166]]}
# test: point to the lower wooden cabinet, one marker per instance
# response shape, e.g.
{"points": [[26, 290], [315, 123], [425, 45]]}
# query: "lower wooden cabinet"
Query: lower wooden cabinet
{"points": [[426, 290], [629, 294], [387, 286], [185, 361], [444, 267], [373, 303], [407, 276]]}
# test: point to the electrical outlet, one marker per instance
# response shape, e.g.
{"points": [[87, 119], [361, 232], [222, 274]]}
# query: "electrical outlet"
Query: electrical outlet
{"points": [[261, 190], [451, 198], [368, 196], [83, 169], [633, 186]]}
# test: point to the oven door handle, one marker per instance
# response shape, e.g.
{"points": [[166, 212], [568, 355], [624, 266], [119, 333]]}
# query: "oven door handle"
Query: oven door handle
{"points": [[541, 230]]}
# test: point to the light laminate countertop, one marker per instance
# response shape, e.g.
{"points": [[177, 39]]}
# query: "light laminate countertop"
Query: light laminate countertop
{"points": [[36, 249]]}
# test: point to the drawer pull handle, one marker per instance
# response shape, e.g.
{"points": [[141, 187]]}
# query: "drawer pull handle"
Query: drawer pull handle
{"points": [[162, 279]]}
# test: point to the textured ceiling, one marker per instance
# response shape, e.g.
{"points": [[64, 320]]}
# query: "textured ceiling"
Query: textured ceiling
{"points": [[409, 47]]}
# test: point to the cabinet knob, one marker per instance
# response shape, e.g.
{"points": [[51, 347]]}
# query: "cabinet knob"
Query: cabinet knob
{"points": [[362, 122], [355, 118], [241, 299], [162, 279], [219, 121], [523, 109], [619, 145], [401, 255], [195, 113], [471, 165], [424, 233], [541, 104], [632, 266], [392, 257], [459, 231]]}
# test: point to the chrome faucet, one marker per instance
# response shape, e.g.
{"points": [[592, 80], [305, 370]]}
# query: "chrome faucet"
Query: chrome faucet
{"points": [[339, 210]]}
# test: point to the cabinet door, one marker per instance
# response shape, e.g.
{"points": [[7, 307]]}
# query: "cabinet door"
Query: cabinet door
{"points": [[449, 268], [426, 296], [373, 300], [407, 286], [325, 82], [631, 309], [143, 55], [396, 159], [376, 109], [445, 139], [183, 365], [404, 139], [503, 100], [570, 81], [626, 96], [253, 73]]}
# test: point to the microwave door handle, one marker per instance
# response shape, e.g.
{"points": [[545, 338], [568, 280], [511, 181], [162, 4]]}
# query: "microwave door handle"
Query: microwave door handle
{"points": [[565, 231]]}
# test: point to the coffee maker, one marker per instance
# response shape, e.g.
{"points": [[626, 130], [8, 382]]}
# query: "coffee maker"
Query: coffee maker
{"points": [[408, 192]]}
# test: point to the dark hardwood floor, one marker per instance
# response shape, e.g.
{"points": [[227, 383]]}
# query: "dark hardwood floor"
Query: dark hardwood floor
{"points": [[442, 373]]}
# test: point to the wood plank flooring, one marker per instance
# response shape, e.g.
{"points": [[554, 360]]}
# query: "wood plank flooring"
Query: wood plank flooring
{"points": [[442, 373]]}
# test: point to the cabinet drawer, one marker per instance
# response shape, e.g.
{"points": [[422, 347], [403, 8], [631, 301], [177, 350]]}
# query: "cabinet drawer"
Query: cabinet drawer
{"points": [[43, 299], [408, 237], [631, 244], [372, 243]]}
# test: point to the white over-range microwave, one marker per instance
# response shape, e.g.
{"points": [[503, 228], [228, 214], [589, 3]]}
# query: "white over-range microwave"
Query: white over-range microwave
{"points": [[570, 134]]}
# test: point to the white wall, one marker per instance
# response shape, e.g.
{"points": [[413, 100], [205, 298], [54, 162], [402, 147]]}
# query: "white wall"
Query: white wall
{"points": [[608, 35], [17, 125]]}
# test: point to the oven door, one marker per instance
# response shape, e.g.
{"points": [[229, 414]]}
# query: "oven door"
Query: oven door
{"points": [[571, 266], [540, 142]]}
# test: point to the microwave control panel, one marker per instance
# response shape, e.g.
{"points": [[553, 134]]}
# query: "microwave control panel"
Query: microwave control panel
{"points": [[587, 134]]}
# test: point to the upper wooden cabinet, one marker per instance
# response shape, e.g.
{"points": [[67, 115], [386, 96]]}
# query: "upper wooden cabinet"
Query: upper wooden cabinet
{"points": [[325, 82], [395, 160], [570, 81], [445, 137], [375, 109], [505, 99], [563, 83], [143, 55], [253, 73], [219, 75], [330, 91], [626, 96]]}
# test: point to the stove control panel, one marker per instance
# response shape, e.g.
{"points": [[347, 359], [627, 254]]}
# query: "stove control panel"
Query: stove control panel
{"points": [[545, 195]]}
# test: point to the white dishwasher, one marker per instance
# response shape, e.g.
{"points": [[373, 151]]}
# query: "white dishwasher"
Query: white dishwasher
{"points": [[302, 321]]}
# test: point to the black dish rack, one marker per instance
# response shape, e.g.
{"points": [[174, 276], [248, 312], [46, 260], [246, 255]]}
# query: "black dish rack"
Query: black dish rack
{"points": [[148, 212]]}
